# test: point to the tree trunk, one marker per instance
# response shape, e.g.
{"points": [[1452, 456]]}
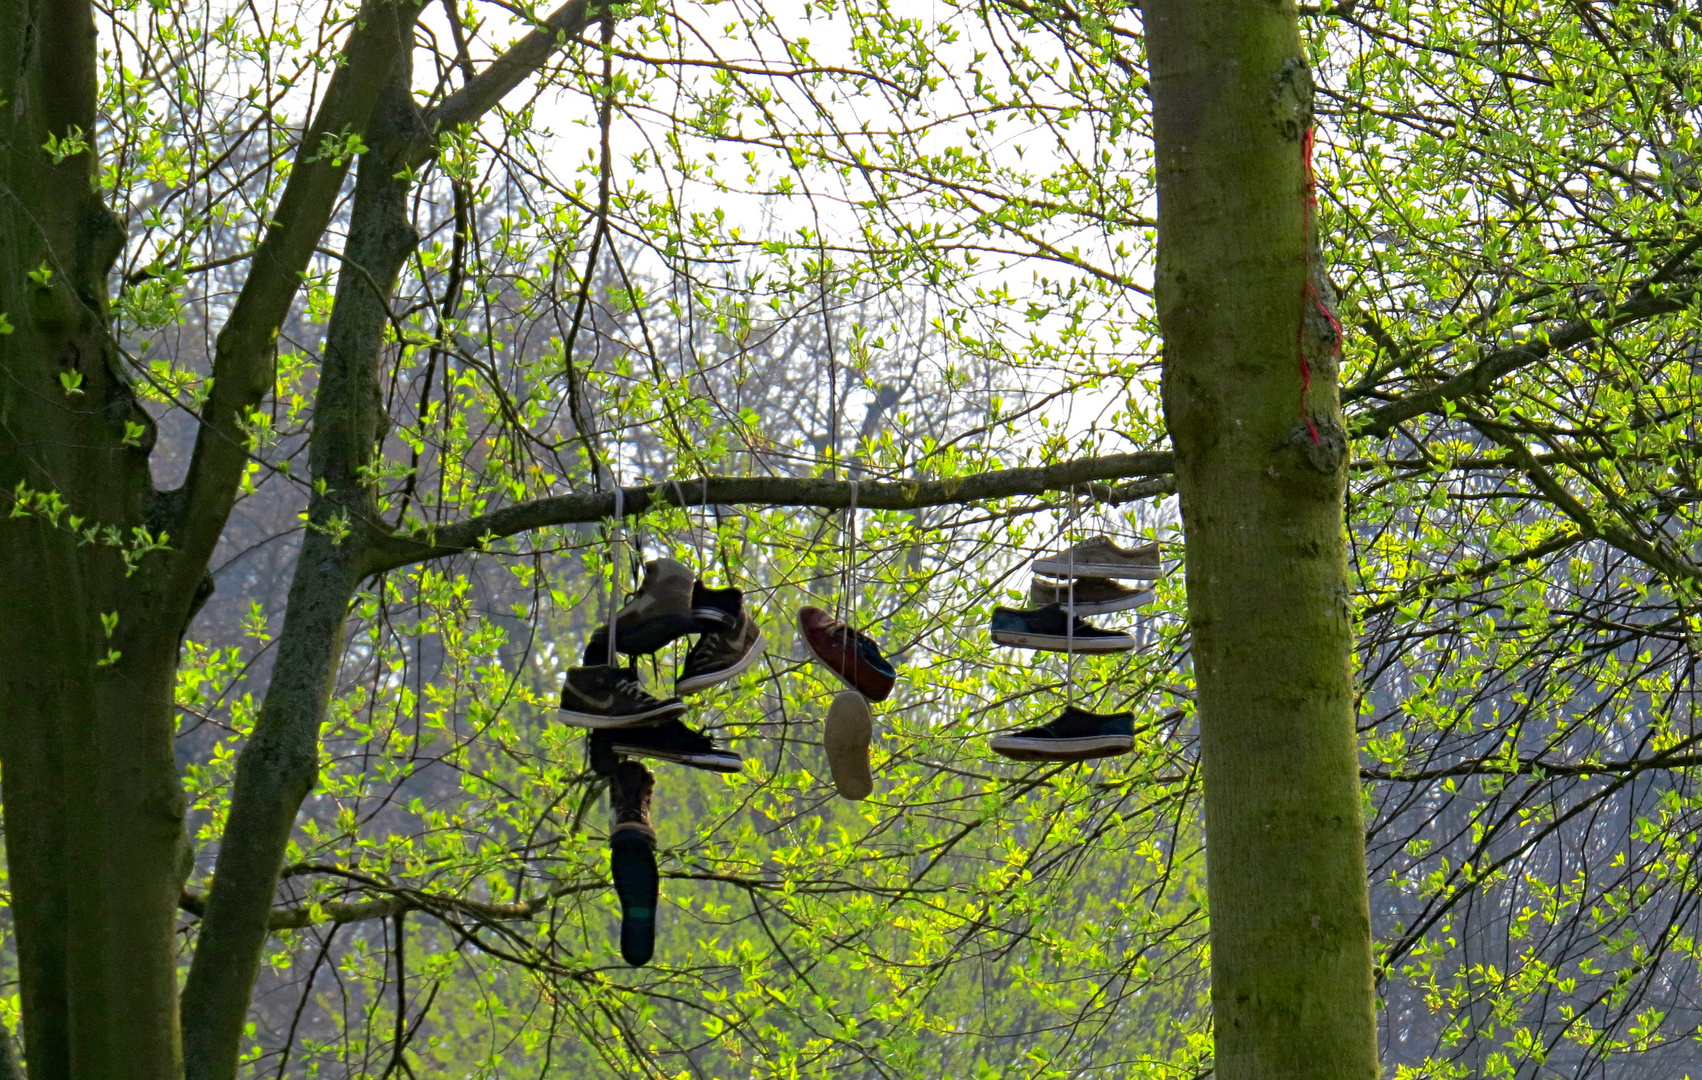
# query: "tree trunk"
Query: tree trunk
{"points": [[279, 764], [1251, 400], [94, 830]]}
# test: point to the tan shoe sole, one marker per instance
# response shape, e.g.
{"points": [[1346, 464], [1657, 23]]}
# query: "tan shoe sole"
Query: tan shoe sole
{"points": [[849, 727]]}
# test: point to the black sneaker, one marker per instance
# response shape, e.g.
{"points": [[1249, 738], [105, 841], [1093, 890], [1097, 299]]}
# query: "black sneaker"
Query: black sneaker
{"points": [[632, 860], [1074, 735], [671, 740], [720, 655], [1051, 629], [716, 609], [611, 697]]}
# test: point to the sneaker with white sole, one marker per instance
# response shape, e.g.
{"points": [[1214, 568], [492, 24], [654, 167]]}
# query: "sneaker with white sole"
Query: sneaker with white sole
{"points": [[846, 734], [1087, 595], [1073, 735], [1051, 629], [720, 655], [1100, 557], [611, 697], [671, 740]]}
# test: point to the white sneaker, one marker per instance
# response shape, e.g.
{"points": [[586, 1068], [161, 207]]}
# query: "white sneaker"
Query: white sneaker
{"points": [[1099, 557]]}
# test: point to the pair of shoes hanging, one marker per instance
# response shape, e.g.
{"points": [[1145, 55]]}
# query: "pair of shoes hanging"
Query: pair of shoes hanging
{"points": [[625, 718], [671, 604], [1080, 580], [868, 676]]}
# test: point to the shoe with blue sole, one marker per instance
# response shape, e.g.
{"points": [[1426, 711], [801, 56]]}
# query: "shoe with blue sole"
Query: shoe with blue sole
{"points": [[632, 860]]}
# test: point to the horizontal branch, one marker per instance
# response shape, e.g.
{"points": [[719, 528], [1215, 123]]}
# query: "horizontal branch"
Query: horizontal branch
{"points": [[391, 551], [399, 901]]}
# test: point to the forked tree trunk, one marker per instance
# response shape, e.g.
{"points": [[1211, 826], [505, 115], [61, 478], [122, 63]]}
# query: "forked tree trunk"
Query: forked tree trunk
{"points": [[1260, 471], [280, 762]]}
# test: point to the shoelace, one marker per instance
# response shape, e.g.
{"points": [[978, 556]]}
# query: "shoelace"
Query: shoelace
{"points": [[631, 691]]}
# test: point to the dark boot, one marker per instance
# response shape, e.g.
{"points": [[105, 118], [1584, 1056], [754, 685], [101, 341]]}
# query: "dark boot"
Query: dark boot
{"points": [[632, 860]]}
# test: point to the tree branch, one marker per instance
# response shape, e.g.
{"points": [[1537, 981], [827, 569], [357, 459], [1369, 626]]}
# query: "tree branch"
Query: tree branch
{"points": [[513, 67], [242, 363], [389, 552], [1481, 378]]}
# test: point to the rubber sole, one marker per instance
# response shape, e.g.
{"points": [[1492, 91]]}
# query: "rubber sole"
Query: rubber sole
{"points": [[600, 722], [682, 687], [714, 762], [632, 863], [1065, 569], [1019, 748], [846, 734], [1102, 607], [1059, 643]]}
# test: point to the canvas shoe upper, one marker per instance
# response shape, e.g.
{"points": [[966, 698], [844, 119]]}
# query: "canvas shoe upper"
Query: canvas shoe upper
{"points": [[611, 697], [1073, 735], [1100, 557], [720, 655], [847, 653], [630, 788], [1087, 595], [657, 614], [1051, 629]]}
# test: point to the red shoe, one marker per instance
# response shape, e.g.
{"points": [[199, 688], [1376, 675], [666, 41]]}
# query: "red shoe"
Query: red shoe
{"points": [[848, 654]]}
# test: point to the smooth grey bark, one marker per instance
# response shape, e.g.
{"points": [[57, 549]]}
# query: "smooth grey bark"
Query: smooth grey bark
{"points": [[1253, 410]]}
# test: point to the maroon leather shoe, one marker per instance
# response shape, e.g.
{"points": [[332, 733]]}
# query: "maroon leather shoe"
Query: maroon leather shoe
{"points": [[847, 653]]}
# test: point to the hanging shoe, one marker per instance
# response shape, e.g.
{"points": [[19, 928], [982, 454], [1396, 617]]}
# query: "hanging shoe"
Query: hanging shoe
{"points": [[1099, 557], [611, 697], [720, 655], [846, 734], [632, 860], [671, 740], [657, 614], [716, 609], [1050, 629], [1073, 735], [847, 653], [1092, 595]]}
